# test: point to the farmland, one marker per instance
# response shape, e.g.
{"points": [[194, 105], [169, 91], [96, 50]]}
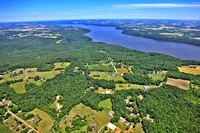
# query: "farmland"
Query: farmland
{"points": [[190, 69], [183, 84]]}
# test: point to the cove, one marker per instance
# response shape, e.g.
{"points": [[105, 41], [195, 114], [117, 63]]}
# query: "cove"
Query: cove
{"points": [[111, 35]]}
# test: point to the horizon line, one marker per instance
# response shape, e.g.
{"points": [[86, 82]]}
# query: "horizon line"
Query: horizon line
{"points": [[100, 19]]}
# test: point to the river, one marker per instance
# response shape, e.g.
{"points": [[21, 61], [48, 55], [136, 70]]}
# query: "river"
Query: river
{"points": [[111, 35]]}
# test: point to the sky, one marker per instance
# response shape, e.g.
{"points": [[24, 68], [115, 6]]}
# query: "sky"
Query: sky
{"points": [[34, 10]]}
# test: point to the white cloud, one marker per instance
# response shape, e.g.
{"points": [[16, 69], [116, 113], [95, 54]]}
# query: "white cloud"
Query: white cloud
{"points": [[156, 5]]}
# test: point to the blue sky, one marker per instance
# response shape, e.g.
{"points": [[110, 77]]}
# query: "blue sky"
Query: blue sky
{"points": [[31, 10]]}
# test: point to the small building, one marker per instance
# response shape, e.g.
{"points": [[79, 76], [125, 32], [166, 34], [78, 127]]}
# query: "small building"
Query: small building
{"points": [[107, 92], [111, 126], [133, 115], [110, 114], [141, 97], [145, 88], [122, 119], [126, 100]]}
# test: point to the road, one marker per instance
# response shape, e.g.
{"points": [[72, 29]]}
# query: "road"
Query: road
{"points": [[31, 128], [113, 66], [102, 127]]}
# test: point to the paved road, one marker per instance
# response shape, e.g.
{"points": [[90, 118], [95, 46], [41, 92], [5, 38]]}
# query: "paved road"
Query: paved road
{"points": [[31, 128]]}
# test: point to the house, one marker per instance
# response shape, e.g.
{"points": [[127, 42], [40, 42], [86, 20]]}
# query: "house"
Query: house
{"points": [[133, 115], [141, 97], [110, 114], [126, 100], [145, 88], [107, 92], [111, 126], [122, 119]]}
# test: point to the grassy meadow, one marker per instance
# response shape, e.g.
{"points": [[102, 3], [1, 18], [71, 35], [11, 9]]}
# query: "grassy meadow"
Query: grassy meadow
{"points": [[45, 122]]}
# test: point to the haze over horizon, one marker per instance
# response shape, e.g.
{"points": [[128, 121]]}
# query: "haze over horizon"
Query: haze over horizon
{"points": [[37, 10]]}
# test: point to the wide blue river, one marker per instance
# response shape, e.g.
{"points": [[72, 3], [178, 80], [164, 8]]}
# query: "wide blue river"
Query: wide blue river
{"points": [[111, 35]]}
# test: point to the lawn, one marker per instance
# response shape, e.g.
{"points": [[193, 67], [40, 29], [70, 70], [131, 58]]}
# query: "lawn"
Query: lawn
{"points": [[190, 69], [159, 76], [92, 116], [128, 86], [106, 104], [183, 84], [46, 121], [4, 129], [107, 75]]}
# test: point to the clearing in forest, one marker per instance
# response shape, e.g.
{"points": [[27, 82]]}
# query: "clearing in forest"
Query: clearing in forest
{"points": [[160, 75], [45, 123], [192, 69], [93, 117], [107, 75], [61, 65], [101, 68], [128, 86], [28, 75], [106, 104], [183, 84], [122, 70]]}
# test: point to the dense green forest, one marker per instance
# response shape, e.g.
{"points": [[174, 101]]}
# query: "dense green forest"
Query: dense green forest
{"points": [[171, 108]]}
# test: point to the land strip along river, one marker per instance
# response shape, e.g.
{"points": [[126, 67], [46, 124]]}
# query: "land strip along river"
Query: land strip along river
{"points": [[111, 35]]}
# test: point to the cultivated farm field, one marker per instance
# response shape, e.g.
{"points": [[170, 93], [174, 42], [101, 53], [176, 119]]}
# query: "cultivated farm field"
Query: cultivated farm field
{"points": [[190, 69], [183, 84]]}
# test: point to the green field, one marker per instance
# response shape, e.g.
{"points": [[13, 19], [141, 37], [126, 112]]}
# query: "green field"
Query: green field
{"points": [[106, 104], [19, 87], [4, 129], [159, 76], [138, 128], [128, 86], [46, 121], [105, 75], [101, 68]]}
